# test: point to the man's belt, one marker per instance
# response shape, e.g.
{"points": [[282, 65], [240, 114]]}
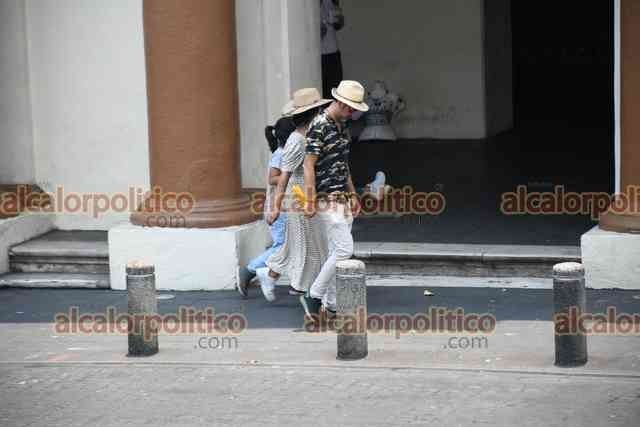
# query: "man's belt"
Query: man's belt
{"points": [[341, 197]]}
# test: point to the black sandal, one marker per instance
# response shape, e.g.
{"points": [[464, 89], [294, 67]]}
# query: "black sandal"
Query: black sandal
{"points": [[294, 292]]}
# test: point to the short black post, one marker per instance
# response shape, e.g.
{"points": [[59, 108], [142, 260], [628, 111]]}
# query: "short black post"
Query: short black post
{"points": [[570, 301], [143, 310], [351, 295]]}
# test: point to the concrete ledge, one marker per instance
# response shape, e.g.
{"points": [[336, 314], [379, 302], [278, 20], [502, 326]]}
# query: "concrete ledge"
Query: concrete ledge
{"points": [[480, 253], [392, 250], [430, 282], [20, 229], [462, 260], [531, 253], [186, 259], [611, 260]]}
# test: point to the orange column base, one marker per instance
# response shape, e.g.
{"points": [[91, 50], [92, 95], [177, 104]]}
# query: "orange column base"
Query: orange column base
{"points": [[620, 223], [216, 213], [626, 218]]}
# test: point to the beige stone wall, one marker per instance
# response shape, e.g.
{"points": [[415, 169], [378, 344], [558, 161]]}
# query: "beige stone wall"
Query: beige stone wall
{"points": [[278, 52], [436, 54], [16, 139]]}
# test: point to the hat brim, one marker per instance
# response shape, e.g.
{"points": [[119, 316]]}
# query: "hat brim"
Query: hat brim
{"points": [[360, 106], [290, 110]]}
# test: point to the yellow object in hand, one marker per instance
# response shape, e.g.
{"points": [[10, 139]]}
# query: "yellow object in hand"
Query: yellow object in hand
{"points": [[299, 194]]}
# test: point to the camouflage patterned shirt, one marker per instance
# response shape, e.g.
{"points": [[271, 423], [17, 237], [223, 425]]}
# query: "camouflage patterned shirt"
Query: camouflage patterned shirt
{"points": [[331, 144]]}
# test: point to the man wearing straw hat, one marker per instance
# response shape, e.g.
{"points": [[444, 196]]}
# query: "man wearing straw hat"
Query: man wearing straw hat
{"points": [[328, 182]]}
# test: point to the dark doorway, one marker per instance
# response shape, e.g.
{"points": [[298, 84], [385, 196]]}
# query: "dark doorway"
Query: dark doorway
{"points": [[563, 62], [563, 135], [563, 90]]}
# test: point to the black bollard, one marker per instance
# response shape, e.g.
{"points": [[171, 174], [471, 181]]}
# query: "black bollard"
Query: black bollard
{"points": [[569, 300], [351, 295], [143, 310]]}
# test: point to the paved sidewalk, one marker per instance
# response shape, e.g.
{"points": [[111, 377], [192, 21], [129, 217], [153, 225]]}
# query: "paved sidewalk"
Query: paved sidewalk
{"points": [[276, 374], [259, 396]]}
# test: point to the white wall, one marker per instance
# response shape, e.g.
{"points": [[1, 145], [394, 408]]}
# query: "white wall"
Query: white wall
{"points": [[304, 44], [430, 52], [278, 52], [89, 98], [16, 141]]}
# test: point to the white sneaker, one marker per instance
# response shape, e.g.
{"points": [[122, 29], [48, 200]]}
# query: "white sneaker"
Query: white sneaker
{"points": [[267, 284], [377, 186]]}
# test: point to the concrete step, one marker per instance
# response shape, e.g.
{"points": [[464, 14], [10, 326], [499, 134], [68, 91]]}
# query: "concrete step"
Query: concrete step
{"points": [[20, 264], [462, 260], [78, 252], [55, 280], [57, 243]]}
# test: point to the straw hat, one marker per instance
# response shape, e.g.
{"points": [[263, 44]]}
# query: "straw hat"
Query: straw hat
{"points": [[304, 100], [351, 93]]}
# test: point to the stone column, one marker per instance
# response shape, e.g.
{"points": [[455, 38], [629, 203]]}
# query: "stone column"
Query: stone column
{"points": [[351, 290], [142, 305], [629, 220], [192, 92], [570, 303]]}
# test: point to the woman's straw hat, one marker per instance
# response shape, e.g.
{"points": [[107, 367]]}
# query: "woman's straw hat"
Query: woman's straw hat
{"points": [[351, 93], [304, 100]]}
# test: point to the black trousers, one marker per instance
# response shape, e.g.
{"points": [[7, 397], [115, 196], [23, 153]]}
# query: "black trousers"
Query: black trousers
{"points": [[331, 73]]}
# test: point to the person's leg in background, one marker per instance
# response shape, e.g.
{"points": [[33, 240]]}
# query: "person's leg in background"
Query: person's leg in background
{"points": [[331, 72], [338, 77], [326, 67], [277, 231]]}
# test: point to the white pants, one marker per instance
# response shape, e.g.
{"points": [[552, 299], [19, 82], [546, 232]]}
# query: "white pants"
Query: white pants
{"points": [[336, 219]]}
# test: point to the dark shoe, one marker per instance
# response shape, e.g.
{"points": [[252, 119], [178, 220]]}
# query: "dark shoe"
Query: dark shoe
{"points": [[330, 314], [311, 306], [294, 292], [245, 277]]}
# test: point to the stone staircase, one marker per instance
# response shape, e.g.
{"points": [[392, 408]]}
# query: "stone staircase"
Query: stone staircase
{"points": [[60, 259], [80, 259]]}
